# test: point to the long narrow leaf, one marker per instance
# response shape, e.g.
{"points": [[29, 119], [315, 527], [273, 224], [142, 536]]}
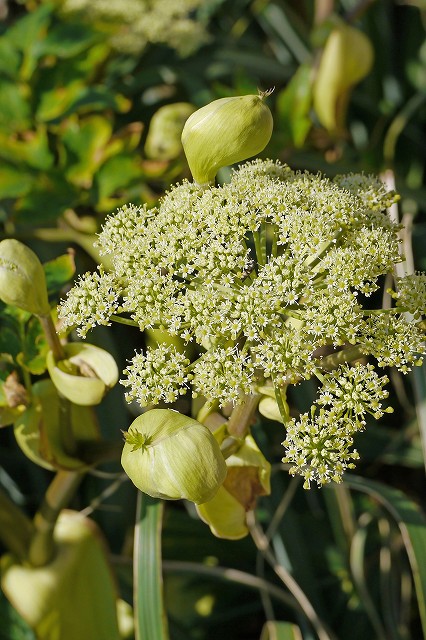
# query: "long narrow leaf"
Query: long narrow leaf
{"points": [[412, 525], [150, 616]]}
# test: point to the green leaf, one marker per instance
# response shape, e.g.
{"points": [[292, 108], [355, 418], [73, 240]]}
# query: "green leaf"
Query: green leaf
{"points": [[27, 34], [9, 59], [13, 182], [150, 616], [15, 108], [51, 196], [13, 627], [59, 100], [280, 631], [30, 28], [9, 342], [64, 99], [68, 39], [116, 174], [34, 348], [85, 143], [412, 525], [58, 272], [31, 148]]}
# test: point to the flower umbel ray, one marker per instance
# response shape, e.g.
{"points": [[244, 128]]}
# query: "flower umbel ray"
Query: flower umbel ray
{"points": [[258, 275]]}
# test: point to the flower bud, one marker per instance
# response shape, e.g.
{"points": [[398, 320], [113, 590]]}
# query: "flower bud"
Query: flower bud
{"points": [[168, 455], [86, 374], [165, 130], [22, 279], [224, 132], [74, 595], [346, 59]]}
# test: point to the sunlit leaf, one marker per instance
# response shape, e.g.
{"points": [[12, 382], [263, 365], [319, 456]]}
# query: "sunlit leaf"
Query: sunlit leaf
{"points": [[59, 271], [15, 112], [31, 147], [116, 174]]}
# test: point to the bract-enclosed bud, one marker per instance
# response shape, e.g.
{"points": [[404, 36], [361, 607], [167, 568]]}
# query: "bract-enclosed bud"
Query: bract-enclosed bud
{"points": [[248, 478], [168, 455], [78, 579], [163, 140], [85, 375], [22, 279], [346, 59], [38, 429], [224, 132]]}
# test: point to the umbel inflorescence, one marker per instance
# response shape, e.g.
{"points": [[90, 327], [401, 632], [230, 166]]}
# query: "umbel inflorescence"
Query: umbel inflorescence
{"points": [[261, 273]]}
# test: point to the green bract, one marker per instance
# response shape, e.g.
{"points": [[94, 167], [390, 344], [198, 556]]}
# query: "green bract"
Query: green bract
{"points": [[248, 477], [168, 455], [86, 374], [224, 132], [22, 279], [38, 434]]}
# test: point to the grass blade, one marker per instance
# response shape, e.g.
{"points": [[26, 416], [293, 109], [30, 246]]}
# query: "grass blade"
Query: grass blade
{"points": [[412, 525], [150, 615]]}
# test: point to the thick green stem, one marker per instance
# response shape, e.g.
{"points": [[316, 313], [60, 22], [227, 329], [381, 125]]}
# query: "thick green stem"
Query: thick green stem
{"points": [[15, 528], [67, 436], [242, 415], [52, 337], [348, 354], [60, 492]]}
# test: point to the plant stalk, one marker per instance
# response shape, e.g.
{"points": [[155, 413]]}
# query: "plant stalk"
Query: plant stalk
{"points": [[242, 415], [60, 492], [15, 528]]}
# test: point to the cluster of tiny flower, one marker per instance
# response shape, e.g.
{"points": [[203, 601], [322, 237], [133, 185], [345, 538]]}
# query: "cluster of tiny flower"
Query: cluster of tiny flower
{"points": [[260, 274], [159, 375], [98, 295], [135, 23], [411, 294], [318, 444], [354, 391]]}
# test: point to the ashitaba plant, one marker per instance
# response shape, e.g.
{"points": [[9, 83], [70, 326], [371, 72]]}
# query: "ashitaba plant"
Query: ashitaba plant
{"points": [[261, 274]]}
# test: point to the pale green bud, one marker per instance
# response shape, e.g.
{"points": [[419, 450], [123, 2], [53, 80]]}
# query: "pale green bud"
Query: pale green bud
{"points": [[85, 375], [22, 279], [347, 58], [224, 132], [165, 130], [74, 595], [168, 455]]}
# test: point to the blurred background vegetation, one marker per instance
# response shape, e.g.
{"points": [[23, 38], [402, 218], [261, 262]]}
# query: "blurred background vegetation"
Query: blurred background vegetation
{"points": [[93, 96]]}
